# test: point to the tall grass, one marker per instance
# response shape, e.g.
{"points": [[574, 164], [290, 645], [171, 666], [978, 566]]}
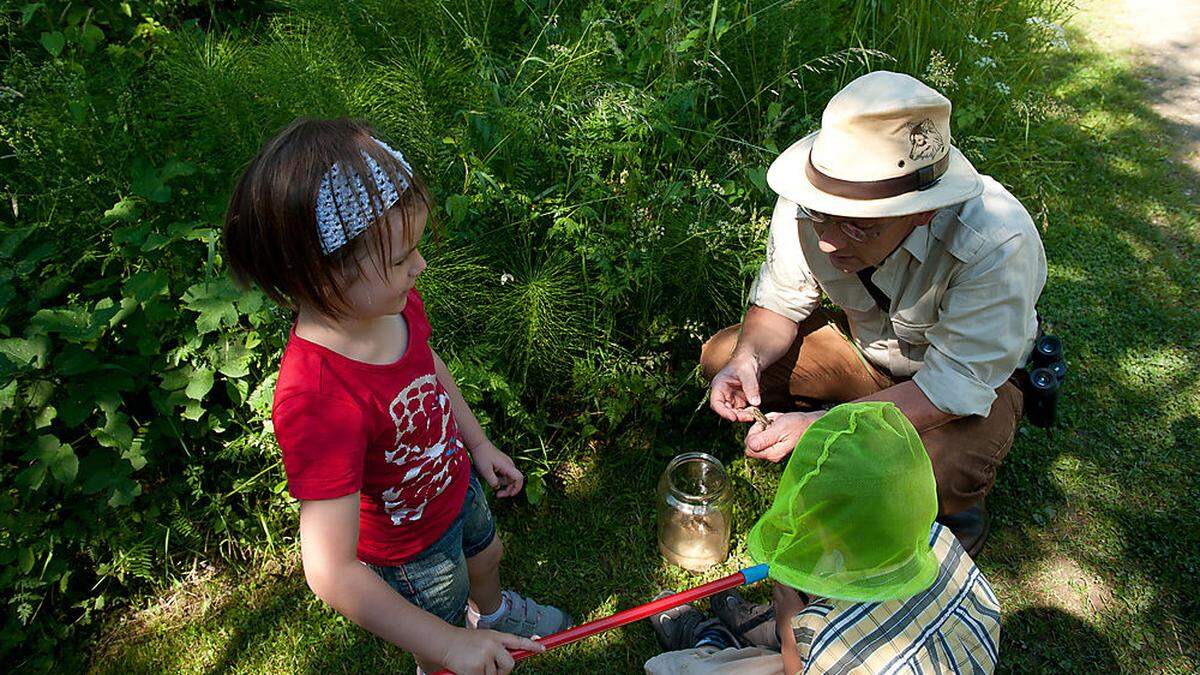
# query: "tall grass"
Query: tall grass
{"points": [[599, 169]]}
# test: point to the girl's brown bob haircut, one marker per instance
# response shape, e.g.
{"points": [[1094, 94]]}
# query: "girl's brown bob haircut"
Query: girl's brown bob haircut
{"points": [[270, 232]]}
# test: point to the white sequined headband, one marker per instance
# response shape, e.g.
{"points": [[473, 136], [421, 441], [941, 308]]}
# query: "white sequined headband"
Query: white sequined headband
{"points": [[343, 193]]}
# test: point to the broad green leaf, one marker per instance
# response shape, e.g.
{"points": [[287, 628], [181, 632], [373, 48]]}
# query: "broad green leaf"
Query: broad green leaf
{"points": [[8, 395], [75, 360], [53, 42], [251, 301], [126, 209], [193, 411], [135, 454], [155, 241], [25, 560], [52, 288], [31, 258], [76, 325], [91, 37], [176, 167], [199, 383], [7, 293], [73, 410], [457, 208], [66, 467], [28, 10], [26, 351], [124, 492], [260, 401], [44, 417], [758, 177], [237, 390], [535, 488], [146, 284], [38, 393], [116, 432], [58, 457], [214, 302], [178, 378], [102, 470], [232, 357], [32, 477], [12, 241]]}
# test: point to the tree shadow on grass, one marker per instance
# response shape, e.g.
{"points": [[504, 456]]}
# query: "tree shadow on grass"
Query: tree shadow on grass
{"points": [[1114, 489], [1080, 649]]}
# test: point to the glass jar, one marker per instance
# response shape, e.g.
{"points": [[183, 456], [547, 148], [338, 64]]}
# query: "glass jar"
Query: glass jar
{"points": [[693, 512]]}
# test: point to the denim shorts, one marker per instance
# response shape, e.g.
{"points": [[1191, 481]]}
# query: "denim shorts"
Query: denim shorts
{"points": [[436, 579]]}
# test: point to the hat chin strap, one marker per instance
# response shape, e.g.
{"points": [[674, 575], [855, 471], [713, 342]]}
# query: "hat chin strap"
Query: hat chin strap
{"points": [[921, 179]]}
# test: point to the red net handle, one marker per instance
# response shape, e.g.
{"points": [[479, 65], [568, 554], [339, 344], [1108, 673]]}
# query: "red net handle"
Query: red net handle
{"points": [[747, 576]]}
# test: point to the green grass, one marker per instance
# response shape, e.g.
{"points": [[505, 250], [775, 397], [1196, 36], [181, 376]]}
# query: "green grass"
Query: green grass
{"points": [[1095, 555]]}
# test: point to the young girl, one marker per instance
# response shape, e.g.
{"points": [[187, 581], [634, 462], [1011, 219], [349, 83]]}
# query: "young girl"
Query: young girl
{"points": [[378, 444]]}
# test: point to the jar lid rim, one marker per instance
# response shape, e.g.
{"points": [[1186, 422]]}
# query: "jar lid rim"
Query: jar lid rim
{"points": [[680, 459]]}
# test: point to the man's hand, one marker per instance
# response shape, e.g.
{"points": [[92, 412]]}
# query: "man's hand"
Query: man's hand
{"points": [[497, 469], [483, 652], [776, 442], [734, 388]]}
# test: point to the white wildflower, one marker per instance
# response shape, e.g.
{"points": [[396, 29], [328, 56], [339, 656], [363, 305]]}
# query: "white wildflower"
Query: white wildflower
{"points": [[999, 35], [1003, 88], [1056, 34], [976, 41], [506, 279], [986, 62]]}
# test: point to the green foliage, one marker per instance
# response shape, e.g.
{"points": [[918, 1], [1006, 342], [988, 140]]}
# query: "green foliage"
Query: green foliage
{"points": [[600, 175]]}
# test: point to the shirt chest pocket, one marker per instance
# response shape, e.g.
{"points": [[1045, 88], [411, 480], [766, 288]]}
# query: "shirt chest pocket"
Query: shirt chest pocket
{"points": [[849, 294]]}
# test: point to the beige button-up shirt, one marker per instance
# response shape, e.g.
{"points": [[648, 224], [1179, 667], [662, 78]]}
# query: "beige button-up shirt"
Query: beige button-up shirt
{"points": [[963, 291]]}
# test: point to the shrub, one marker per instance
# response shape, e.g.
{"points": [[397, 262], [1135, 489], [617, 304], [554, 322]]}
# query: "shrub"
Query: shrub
{"points": [[600, 174]]}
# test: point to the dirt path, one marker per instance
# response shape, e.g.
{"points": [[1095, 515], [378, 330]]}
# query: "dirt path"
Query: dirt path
{"points": [[1164, 37]]}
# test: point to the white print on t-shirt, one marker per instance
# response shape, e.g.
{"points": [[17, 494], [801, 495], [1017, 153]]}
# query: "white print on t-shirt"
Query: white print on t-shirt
{"points": [[426, 442]]}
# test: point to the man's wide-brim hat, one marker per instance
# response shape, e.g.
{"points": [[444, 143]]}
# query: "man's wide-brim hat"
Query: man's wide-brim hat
{"points": [[883, 149]]}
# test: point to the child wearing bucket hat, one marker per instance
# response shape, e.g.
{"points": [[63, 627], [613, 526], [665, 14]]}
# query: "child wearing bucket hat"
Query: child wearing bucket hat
{"points": [[865, 579]]}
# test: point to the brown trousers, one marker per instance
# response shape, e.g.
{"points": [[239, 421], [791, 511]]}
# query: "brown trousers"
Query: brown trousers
{"points": [[822, 366]]}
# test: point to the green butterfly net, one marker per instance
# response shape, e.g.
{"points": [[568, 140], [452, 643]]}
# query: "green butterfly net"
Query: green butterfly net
{"points": [[853, 513]]}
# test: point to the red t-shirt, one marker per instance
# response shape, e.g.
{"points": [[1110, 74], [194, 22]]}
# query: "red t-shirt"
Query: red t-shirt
{"points": [[386, 431]]}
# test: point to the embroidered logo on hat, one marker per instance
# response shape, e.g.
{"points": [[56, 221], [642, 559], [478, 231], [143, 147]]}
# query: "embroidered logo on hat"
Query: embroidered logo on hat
{"points": [[925, 139], [884, 149]]}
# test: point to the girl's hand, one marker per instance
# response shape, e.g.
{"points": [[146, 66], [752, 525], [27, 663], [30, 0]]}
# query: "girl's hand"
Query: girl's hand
{"points": [[776, 442], [483, 652], [788, 603], [497, 469]]}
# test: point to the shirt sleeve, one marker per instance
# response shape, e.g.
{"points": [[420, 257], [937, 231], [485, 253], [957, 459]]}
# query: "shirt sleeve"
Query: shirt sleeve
{"points": [[785, 285], [324, 443], [982, 332]]}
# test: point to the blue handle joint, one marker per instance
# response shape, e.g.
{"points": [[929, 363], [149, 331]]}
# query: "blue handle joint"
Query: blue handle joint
{"points": [[755, 574]]}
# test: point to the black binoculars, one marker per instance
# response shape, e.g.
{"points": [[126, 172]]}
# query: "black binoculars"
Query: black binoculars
{"points": [[1044, 378]]}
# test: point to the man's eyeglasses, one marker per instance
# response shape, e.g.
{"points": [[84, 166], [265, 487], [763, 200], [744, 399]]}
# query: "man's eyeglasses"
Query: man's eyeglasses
{"points": [[848, 228]]}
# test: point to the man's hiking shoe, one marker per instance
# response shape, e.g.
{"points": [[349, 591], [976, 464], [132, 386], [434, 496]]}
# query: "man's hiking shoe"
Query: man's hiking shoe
{"points": [[752, 624], [971, 527], [683, 627], [527, 618]]}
